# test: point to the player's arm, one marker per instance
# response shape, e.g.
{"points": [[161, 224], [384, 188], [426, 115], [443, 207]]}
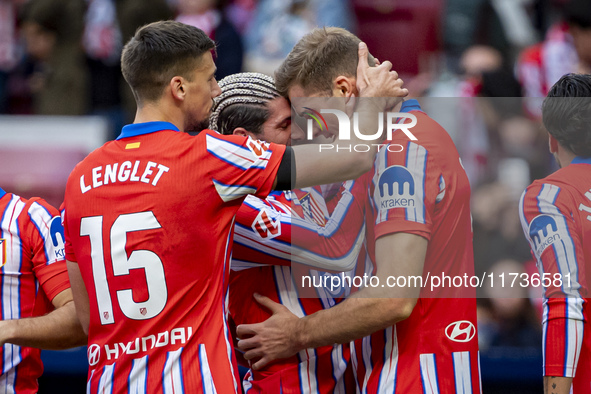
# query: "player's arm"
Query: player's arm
{"points": [[545, 216], [337, 166], [42, 236], [269, 228], [80, 295], [57, 330], [557, 385], [369, 310]]}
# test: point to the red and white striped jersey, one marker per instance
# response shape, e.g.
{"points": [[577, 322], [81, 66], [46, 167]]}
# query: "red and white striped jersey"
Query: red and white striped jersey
{"points": [[541, 65], [266, 232], [31, 259], [149, 218], [556, 218], [423, 190]]}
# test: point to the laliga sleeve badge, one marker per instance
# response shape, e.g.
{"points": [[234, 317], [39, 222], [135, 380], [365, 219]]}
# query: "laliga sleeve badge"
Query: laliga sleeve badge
{"points": [[257, 147]]}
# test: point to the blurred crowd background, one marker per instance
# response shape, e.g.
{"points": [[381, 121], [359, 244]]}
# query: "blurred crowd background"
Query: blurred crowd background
{"points": [[494, 59]]}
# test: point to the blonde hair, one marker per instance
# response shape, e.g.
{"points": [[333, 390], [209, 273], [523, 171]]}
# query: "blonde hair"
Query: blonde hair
{"points": [[317, 59]]}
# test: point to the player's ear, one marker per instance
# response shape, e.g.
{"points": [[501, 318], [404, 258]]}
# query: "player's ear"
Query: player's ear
{"points": [[242, 131], [552, 144], [177, 87], [344, 86]]}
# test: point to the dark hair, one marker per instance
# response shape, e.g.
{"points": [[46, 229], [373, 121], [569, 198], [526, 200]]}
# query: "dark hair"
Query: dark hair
{"points": [[578, 13], [158, 52], [566, 113], [317, 59], [251, 117]]}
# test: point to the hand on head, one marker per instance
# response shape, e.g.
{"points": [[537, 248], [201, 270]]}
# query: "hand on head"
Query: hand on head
{"points": [[378, 81]]}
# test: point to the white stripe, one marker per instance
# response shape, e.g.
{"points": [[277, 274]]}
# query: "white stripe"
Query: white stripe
{"points": [[205, 372], [89, 383], [354, 364], [429, 373], [138, 375], [417, 156], [366, 351], [106, 382], [7, 382], [545, 311], [172, 374], [289, 298], [42, 220], [247, 237], [231, 192], [338, 368], [380, 165], [246, 383], [238, 155], [565, 250], [346, 262], [479, 373], [389, 373], [10, 284], [574, 336], [462, 372]]}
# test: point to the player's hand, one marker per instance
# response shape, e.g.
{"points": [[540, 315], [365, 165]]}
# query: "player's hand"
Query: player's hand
{"points": [[379, 81], [270, 340]]}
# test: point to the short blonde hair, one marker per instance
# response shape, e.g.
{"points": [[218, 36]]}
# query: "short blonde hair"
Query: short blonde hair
{"points": [[317, 59]]}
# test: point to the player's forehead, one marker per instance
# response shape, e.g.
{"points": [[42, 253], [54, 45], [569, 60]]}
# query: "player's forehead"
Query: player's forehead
{"points": [[301, 99], [279, 106]]}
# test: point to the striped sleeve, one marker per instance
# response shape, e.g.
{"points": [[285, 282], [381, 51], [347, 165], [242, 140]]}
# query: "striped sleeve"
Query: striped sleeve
{"points": [[306, 231], [553, 237], [43, 228], [242, 165], [405, 189]]}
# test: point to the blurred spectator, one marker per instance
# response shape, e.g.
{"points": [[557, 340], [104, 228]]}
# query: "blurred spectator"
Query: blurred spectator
{"points": [[408, 27], [278, 24], [207, 16], [507, 318], [240, 13], [503, 24], [53, 32], [541, 65], [103, 43], [131, 15], [8, 46], [497, 231], [578, 17], [565, 49]]}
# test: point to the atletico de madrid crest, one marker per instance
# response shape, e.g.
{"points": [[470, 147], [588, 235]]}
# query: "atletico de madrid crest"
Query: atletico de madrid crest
{"points": [[2, 252]]}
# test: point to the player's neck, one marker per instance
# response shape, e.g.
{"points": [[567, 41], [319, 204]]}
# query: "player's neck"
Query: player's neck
{"points": [[564, 157], [157, 113]]}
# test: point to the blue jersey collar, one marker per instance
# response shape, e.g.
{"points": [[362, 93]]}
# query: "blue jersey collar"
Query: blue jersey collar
{"points": [[135, 129], [410, 105], [579, 160], [2, 193]]}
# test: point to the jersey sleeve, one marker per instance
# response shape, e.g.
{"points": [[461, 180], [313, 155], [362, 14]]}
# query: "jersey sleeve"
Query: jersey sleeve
{"points": [[262, 233], [45, 233], [553, 236], [273, 232], [405, 190], [243, 165]]}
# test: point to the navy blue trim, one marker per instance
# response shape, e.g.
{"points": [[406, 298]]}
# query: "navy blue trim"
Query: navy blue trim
{"points": [[410, 105], [581, 160], [2, 193], [135, 129]]}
